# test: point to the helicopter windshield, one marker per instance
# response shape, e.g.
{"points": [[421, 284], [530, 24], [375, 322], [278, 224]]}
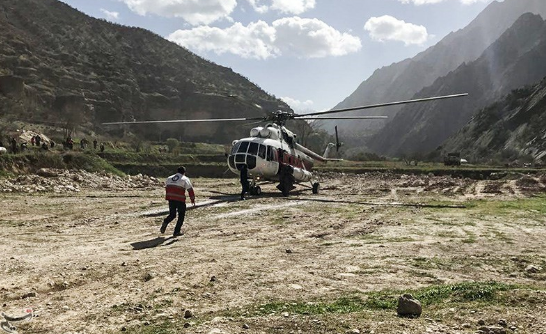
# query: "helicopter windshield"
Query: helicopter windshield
{"points": [[235, 147], [243, 147], [253, 148], [246, 153]]}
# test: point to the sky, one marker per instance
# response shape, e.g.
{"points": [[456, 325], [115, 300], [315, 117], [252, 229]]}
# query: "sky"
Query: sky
{"points": [[310, 53]]}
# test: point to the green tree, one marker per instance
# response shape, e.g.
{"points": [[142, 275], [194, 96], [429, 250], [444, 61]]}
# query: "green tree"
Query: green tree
{"points": [[172, 144]]}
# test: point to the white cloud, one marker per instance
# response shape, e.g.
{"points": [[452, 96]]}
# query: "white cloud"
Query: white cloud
{"points": [[253, 41], [258, 6], [312, 38], [302, 38], [391, 29], [297, 105], [194, 12], [426, 2], [293, 6], [284, 6], [112, 16]]}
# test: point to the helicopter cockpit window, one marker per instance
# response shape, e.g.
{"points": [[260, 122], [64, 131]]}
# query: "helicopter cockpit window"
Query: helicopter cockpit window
{"points": [[253, 148], [261, 151], [243, 147], [235, 147]]}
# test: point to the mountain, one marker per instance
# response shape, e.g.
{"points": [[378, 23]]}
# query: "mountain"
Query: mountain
{"points": [[514, 60], [513, 128], [403, 80], [58, 65]]}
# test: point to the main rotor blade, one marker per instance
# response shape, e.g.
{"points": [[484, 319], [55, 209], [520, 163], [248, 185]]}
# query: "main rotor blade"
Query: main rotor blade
{"points": [[190, 121], [386, 104], [342, 117]]}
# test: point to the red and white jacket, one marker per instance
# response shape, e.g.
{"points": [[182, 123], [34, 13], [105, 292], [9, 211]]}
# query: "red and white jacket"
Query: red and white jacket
{"points": [[176, 186]]}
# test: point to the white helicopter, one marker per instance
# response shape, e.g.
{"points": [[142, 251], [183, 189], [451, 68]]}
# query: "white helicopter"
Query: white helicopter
{"points": [[272, 153]]}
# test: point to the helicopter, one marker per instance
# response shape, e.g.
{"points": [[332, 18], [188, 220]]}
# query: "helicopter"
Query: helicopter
{"points": [[272, 152]]}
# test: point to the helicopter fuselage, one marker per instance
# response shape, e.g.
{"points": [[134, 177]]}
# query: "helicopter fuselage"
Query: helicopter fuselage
{"points": [[266, 150]]}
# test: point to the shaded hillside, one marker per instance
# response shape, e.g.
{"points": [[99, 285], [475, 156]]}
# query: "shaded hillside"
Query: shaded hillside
{"points": [[514, 60], [403, 80], [511, 129], [59, 65]]}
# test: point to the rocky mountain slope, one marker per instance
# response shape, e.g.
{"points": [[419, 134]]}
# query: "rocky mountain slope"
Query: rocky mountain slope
{"points": [[514, 60], [403, 80], [58, 65], [509, 130]]}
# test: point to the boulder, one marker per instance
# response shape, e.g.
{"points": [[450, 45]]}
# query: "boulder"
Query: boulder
{"points": [[409, 306]]}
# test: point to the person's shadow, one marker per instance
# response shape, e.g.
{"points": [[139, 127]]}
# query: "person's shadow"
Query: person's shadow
{"points": [[153, 243]]}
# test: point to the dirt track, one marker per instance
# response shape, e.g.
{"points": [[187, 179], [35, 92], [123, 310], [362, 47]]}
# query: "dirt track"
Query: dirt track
{"points": [[93, 261]]}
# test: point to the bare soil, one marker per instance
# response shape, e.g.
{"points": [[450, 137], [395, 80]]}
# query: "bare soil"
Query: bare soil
{"points": [[93, 261]]}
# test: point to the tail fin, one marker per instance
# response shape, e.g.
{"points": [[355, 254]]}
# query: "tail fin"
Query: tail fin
{"points": [[327, 150]]}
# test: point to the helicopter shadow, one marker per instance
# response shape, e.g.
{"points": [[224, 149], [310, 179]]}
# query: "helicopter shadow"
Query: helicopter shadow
{"points": [[225, 197], [152, 243]]}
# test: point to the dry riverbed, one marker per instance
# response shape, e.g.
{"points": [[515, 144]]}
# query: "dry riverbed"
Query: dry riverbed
{"points": [[87, 256]]}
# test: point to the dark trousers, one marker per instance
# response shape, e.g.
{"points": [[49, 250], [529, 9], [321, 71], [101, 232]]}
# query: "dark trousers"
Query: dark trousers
{"points": [[246, 187], [173, 207]]}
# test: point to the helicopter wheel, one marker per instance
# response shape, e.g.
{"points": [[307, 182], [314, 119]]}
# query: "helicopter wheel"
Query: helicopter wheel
{"points": [[316, 186], [257, 190]]}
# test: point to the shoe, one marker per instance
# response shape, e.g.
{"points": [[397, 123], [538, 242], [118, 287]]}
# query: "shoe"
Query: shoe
{"points": [[178, 234], [163, 228]]}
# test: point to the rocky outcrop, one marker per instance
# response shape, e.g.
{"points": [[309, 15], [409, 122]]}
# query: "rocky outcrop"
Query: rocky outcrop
{"points": [[513, 129], [12, 86]]}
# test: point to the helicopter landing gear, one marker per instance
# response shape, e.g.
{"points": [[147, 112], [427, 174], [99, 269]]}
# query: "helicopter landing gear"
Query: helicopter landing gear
{"points": [[316, 187], [255, 190]]}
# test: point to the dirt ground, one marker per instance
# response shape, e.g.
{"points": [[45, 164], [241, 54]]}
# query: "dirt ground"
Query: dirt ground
{"points": [[91, 260]]}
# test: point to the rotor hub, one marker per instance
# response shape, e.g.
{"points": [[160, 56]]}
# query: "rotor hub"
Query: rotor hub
{"points": [[280, 117]]}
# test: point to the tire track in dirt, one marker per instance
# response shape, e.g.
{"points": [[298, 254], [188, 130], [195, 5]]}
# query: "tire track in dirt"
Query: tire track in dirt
{"points": [[257, 209]]}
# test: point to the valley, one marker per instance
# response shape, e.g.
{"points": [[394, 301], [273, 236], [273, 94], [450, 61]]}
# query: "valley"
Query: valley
{"points": [[92, 260]]}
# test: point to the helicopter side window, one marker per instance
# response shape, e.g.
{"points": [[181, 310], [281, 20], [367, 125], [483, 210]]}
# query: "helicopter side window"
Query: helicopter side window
{"points": [[253, 148], [243, 147], [261, 151], [231, 161], [270, 153], [235, 147]]}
